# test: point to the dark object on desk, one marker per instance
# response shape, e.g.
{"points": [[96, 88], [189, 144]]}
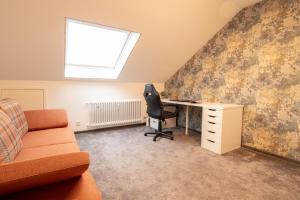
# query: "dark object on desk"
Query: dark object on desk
{"points": [[155, 109], [184, 100]]}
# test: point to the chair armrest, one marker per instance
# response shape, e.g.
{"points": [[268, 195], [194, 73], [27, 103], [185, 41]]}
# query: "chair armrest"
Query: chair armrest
{"points": [[22, 175], [169, 105], [46, 119], [172, 105]]}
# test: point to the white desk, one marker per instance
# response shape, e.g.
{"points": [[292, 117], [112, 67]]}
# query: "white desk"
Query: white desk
{"points": [[202, 105], [221, 125]]}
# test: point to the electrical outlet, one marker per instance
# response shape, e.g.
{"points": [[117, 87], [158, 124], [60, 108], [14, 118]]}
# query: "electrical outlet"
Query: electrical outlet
{"points": [[78, 123]]}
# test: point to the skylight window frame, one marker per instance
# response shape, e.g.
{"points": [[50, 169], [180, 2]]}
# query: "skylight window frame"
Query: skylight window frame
{"points": [[108, 72]]}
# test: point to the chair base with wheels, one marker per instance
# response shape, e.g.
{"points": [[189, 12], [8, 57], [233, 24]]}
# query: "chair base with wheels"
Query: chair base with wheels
{"points": [[161, 133], [164, 134]]}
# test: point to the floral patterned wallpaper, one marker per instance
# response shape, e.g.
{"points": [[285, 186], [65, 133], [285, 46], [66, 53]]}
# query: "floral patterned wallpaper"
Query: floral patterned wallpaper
{"points": [[255, 61]]}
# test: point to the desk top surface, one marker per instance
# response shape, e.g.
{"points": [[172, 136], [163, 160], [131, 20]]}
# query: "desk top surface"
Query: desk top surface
{"points": [[204, 104]]}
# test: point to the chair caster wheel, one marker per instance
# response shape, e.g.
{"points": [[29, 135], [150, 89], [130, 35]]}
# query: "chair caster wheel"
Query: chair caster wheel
{"points": [[145, 134], [172, 138], [154, 140]]}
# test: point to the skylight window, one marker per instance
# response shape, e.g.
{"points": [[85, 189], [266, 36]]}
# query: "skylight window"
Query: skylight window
{"points": [[96, 51]]}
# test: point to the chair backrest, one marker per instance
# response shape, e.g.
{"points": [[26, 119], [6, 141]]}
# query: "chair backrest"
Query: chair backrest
{"points": [[154, 104]]}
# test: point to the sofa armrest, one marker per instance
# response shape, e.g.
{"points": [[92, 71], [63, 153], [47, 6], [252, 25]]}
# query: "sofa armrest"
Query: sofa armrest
{"points": [[46, 119], [22, 175]]}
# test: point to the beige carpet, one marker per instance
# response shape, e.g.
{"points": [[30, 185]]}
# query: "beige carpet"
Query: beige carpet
{"points": [[129, 166]]}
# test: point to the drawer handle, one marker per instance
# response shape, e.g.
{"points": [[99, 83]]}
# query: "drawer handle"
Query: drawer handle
{"points": [[212, 116], [211, 122], [211, 141], [211, 131], [212, 109]]}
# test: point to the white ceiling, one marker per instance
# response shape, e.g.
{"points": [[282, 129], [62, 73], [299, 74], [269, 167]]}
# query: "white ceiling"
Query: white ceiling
{"points": [[32, 33]]}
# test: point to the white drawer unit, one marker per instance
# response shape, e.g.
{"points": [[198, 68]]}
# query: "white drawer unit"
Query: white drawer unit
{"points": [[221, 128]]}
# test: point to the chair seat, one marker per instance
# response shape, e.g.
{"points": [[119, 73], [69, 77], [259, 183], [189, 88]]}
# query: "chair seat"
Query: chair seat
{"points": [[167, 114]]}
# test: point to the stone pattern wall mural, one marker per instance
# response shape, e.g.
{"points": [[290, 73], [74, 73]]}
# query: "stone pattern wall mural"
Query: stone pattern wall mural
{"points": [[255, 61]]}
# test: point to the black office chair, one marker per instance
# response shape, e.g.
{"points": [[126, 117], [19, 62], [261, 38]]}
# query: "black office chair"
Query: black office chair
{"points": [[155, 109]]}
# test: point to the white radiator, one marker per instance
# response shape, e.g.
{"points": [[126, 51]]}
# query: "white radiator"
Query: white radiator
{"points": [[113, 113]]}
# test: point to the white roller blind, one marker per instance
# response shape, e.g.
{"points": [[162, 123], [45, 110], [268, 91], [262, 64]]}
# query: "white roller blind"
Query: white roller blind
{"points": [[94, 45], [96, 51]]}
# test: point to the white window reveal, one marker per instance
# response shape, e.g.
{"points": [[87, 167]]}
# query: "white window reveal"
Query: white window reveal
{"points": [[96, 51]]}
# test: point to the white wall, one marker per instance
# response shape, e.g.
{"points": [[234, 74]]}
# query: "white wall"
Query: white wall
{"points": [[72, 95]]}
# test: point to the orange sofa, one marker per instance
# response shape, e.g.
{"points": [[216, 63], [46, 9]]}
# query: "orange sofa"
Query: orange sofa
{"points": [[50, 164]]}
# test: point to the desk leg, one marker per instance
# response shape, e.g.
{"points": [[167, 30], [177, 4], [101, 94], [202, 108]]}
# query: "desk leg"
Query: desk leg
{"points": [[187, 120]]}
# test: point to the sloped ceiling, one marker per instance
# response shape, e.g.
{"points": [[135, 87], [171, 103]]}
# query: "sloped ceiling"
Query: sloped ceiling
{"points": [[32, 33]]}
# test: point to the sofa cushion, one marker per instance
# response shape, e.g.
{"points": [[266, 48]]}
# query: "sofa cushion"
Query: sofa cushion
{"points": [[46, 119], [10, 140], [44, 151], [80, 188], [18, 176], [15, 112], [48, 137]]}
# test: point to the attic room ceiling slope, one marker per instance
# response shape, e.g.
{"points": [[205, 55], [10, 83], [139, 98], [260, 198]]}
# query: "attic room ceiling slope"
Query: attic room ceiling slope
{"points": [[33, 33]]}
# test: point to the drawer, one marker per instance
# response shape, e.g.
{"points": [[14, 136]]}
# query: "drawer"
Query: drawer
{"points": [[211, 126], [211, 146], [212, 118], [210, 135], [212, 112]]}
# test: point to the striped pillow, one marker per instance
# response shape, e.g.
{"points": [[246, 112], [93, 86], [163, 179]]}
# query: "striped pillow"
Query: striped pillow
{"points": [[15, 112], [10, 140]]}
